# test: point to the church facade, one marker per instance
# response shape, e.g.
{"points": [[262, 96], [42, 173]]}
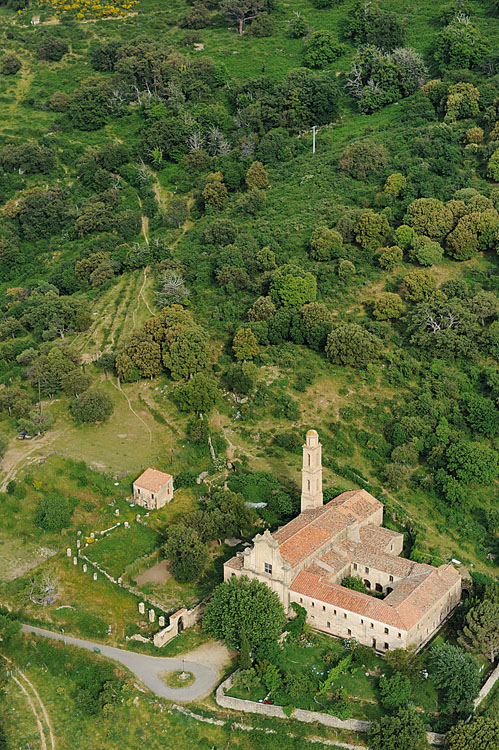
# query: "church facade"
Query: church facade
{"points": [[306, 560]]}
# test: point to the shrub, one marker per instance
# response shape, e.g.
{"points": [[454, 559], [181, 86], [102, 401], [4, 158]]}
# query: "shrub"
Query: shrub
{"points": [[325, 243], [462, 102], [321, 49], [404, 236], [360, 158], [346, 270], [11, 64], [256, 176], [262, 26], [350, 344], [459, 45], [395, 184], [388, 305], [427, 252], [92, 406], [419, 285], [390, 256], [59, 101], [197, 17], [53, 513], [297, 27], [430, 217], [372, 229], [52, 48]]}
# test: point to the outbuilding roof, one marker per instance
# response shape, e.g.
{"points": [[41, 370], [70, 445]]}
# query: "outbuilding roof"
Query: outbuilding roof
{"points": [[152, 480]]}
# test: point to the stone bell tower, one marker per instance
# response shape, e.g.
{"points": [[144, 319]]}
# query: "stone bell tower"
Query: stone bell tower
{"points": [[311, 473]]}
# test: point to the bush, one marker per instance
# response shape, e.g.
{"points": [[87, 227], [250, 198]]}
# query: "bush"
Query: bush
{"points": [[92, 406], [427, 252], [53, 513], [429, 217], [419, 285], [262, 26], [350, 344], [459, 45], [52, 48], [321, 49], [325, 243], [11, 64], [388, 305], [360, 158], [390, 256]]}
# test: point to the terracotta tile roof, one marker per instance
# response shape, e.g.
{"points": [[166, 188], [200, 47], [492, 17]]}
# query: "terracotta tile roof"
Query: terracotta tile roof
{"points": [[235, 562], [378, 536], [404, 607], [306, 533], [311, 585], [152, 480]]}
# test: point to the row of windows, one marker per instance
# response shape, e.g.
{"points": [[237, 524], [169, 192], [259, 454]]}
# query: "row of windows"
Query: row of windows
{"points": [[345, 617], [366, 570]]}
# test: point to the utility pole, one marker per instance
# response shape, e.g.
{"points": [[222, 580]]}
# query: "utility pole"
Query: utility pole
{"points": [[314, 130]]}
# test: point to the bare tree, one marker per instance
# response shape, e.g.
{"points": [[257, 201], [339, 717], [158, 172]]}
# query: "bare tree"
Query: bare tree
{"points": [[172, 289]]}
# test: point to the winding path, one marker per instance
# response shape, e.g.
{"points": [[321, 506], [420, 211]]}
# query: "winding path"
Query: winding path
{"points": [[147, 668]]}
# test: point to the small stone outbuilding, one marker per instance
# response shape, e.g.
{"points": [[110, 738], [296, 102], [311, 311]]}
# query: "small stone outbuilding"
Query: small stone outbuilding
{"points": [[153, 489]]}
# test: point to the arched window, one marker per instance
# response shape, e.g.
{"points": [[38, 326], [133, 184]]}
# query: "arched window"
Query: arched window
{"points": [[309, 458]]}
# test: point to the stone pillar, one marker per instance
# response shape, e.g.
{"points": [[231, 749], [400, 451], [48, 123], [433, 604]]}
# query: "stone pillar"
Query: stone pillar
{"points": [[85, 567], [78, 544], [75, 561], [161, 621], [142, 608], [68, 552], [152, 615], [311, 483], [117, 512], [95, 576]]}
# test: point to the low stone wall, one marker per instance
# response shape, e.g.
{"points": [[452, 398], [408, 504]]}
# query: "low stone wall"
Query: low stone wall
{"points": [[310, 717], [189, 618], [487, 687]]}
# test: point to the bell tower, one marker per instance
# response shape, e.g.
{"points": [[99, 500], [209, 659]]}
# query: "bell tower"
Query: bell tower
{"points": [[311, 473]]}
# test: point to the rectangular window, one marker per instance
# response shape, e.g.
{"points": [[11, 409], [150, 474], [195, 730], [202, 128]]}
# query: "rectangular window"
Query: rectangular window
{"points": [[391, 578], [345, 616], [152, 496], [323, 608], [387, 646], [301, 600], [349, 631], [268, 568], [386, 631], [313, 604], [334, 611], [355, 566], [329, 624], [366, 570], [400, 635], [361, 621], [372, 624]]}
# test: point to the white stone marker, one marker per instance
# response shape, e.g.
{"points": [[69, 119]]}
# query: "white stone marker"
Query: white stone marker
{"points": [[84, 567], [152, 615], [75, 561], [68, 552], [161, 621], [95, 576], [142, 608]]}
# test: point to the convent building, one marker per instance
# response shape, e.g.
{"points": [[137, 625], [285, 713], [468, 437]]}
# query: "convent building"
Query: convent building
{"points": [[306, 560]]}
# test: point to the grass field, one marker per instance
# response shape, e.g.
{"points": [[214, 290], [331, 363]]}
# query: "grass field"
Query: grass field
{"points": [[122, 547]]}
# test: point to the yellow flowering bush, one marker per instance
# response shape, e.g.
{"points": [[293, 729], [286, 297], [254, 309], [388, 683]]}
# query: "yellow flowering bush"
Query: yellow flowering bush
{"points": [[90, 9]]}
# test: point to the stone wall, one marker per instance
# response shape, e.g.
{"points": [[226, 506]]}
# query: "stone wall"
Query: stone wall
{"points": [[187, 618], [487, 687], [265, 709]]}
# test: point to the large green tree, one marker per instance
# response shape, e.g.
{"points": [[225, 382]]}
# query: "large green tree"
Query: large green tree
{"points": [[403, 731], [456, 675], [350, 344], [481, 733], [186, 552], [240, 604], [481, 629]]}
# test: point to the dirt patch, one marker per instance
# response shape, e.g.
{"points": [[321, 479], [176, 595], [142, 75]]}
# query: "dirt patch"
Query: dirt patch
{"points": [[213, 654], [159, 573]]}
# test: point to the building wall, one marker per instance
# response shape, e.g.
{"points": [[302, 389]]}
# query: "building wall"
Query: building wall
{"points": [[364, 629], [153, 500], [423, 630]]}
